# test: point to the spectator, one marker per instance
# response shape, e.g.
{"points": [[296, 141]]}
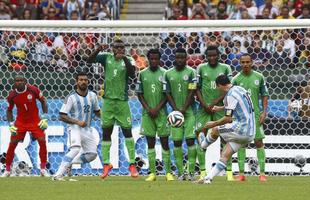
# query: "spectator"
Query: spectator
{"points": [[260, 56], [285, 14], [98, 12], [177, 13], [5, 12], [305, 12], [268, 41], [289, 45], [46, 6], [75, 15], [30, 6], [305, 104], [295, 104], [265, 14], [274, 12], [168, 57], [234, 55], [72, 5], [39, 52], [221, 10], [304, 58], [52, 14], [198, 12], [252, 9], [280, 58], [185, 8], [193, 43]]}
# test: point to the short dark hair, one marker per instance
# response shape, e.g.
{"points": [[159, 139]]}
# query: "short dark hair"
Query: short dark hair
{"points": [[212, 48], [153, 51], [245, 54], [19, 75], [180, 50], [118, 40], [81, 73], [222, 80]]}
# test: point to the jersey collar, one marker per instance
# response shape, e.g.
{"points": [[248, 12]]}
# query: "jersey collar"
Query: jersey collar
{"points": [[21, 91]]}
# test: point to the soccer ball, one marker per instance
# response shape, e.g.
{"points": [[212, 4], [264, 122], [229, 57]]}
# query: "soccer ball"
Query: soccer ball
{"points": [[296, 106], [300, 161], [175, 119]]}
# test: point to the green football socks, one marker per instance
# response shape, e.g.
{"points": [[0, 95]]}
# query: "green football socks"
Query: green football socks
{"points": [[241, 159], [178, 155], [130, 144], [261, 156], [151, 156], [105, 150]]}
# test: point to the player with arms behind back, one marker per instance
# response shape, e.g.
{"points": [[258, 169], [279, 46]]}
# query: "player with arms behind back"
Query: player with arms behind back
{"points": [[180, 86], [118, 68], [237, 127], [150, 93], [24, 97], [77, 112], [208, 96], [255, 84]]}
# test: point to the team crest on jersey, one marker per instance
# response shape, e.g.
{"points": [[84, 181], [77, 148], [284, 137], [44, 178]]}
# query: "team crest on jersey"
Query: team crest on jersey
{"points": [[256, 82], [241, 84], [160, 78], [185, 77], [205, 74], [29, 97]]}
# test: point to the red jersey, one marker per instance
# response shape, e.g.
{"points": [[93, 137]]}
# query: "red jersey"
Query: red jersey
{"points": [[27, 110]]}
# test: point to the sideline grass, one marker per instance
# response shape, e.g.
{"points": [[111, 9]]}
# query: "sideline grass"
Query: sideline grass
{"points": [[88, 188]]}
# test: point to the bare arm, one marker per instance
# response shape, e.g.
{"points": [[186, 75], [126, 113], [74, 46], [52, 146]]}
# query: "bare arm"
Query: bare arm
{"points": [[262, 116], [143, 103], [188, 102], [9, 115], [222, 121], [171, 101], [92, 57], [65, 118], [130, 68], [44, 105], [98, 113]]}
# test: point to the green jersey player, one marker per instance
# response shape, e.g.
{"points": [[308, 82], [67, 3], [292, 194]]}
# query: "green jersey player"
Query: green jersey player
{"points": [[154, 116], [209, 96], [118, 68], [255, 84], [180, 86]]}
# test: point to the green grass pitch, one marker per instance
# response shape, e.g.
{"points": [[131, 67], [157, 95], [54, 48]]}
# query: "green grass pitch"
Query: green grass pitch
{"points": [[88, 188]]}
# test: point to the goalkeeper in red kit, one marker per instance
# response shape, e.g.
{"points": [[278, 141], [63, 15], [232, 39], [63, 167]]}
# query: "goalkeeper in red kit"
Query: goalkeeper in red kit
{"points": [[24, 97]]}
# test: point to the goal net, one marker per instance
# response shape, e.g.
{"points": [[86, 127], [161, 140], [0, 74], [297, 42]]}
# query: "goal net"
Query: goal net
{"points": [[49, 53]]}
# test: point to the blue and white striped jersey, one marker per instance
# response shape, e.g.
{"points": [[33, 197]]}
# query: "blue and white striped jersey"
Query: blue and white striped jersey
{"points": [[238, 100], [81, 107]]}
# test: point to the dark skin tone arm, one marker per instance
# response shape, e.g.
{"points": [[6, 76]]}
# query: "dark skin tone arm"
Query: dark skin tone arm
{"points": [[153, 112], [208, 109], [188, 102], [9, 115], [171, 101], [98, 113], [130, 68], [92, 57], [44, 105], [263, 114]]}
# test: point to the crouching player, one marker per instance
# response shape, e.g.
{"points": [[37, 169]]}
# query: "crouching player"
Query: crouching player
{"points": [[237, 127], [82, 144]]}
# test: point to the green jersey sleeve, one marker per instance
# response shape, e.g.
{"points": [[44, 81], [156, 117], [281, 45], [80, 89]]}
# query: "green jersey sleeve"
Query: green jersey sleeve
{"points": [[166, 84], [229, 72], [192, 81], [102, 57]]}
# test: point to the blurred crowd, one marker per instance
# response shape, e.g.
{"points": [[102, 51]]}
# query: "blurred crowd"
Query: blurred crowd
{"points": [[238, 9], [56, 9]]}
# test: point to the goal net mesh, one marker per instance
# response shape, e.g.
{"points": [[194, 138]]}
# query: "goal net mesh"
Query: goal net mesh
{"points": [[50, 57]]}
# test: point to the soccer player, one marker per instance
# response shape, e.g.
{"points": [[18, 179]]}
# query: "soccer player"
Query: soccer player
{"points": [[118, 68], [154, 115], [180, 86], [236, 128], [255, 84], [208, 96], [24, 96], [77, 112]]}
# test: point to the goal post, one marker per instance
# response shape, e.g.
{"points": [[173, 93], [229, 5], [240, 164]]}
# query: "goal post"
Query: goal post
{"points": [[49, 53]]}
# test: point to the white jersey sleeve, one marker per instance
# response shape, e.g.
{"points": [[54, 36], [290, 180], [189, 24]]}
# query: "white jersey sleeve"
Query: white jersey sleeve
{"points": [[230, 103], [67, 106], [95, 102]]}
